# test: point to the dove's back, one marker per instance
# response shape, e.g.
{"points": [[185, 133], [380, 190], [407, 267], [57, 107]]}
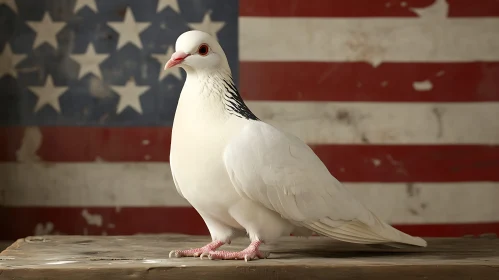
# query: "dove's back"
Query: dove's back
{"points": [[281, 172]]}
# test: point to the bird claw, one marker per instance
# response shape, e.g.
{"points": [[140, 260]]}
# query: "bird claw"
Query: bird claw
{"points": [[196, 252], [187, 253], [246, 255], [205, 254], [175, 253]]}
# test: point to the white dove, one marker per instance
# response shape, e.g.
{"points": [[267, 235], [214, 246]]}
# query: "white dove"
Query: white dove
{"points": [[244, 176]]}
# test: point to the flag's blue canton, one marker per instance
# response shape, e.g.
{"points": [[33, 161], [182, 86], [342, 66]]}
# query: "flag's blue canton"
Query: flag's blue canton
{"points": [[90, 100]]}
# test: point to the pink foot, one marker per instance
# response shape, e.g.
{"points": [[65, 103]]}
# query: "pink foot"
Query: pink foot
{"points": [[196, 252], [251, 252]]}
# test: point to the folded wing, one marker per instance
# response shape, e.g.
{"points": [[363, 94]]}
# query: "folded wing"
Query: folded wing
{"points": [[282, 173]]}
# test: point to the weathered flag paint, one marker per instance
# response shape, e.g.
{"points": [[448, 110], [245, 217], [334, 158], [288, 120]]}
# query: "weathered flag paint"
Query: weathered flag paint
{"points": [[398, 98]]}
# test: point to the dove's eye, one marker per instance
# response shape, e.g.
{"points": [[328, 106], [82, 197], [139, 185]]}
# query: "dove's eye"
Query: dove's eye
{"points": [[203, 49]]}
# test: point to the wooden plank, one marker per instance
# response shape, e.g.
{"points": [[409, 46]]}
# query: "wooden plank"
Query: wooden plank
{"points": [[146, 257]]}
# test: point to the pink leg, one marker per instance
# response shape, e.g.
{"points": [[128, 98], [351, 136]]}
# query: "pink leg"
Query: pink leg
{"points": [[212, 246], [251, 252]]}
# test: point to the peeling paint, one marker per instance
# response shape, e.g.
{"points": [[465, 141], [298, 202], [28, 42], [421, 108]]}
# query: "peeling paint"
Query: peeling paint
{"points": [[145, 142], [99, 159], [413, 211], [92, 219], [31, 142], [440, 73], [438, 10], [364, 48], [384, 83], [415, 201], [344, 116], [376, 162], [44, 229], [98, 89], [425, 85], [412, 190], [147, 157], [400, 165], [364, 138], [440, 128], [403, 4]]}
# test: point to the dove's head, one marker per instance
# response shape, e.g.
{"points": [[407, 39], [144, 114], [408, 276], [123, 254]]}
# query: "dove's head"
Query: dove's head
{"points": [[197, 50]]}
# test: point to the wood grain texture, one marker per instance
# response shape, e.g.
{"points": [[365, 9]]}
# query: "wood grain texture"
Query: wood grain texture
{"points": [[146, 257]]}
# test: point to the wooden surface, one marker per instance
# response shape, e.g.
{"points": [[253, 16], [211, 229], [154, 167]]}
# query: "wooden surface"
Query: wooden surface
{"points": [[146, 257]]}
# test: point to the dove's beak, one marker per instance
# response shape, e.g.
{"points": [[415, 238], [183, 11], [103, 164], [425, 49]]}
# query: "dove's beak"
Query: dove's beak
{"points": [[177, 58]]}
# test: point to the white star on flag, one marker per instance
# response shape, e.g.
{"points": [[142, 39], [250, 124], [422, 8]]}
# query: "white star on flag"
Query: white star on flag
{"points": [[80, 4], [46, 30], [208, 26], [162, 4], [89, 62], [163, 58], [48, 95], [129, 29], [129, 96], [11, 4], [8, 61]]}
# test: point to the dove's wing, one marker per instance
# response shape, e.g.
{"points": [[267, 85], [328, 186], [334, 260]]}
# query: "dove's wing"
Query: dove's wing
{"points": [[281, 172]]}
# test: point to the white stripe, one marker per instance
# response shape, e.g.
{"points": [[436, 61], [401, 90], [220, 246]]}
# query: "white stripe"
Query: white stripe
{"points": [[150, 184], [384, 123], [88, 184], [421, 203], [369, 39]]}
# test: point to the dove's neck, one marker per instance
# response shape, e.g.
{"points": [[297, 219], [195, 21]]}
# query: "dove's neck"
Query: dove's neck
{"points": [[216, 90]]}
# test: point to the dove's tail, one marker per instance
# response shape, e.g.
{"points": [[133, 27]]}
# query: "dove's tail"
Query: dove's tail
{"points": [[375, 233]]}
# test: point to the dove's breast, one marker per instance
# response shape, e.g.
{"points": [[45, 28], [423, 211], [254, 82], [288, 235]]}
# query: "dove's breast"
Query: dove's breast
{"points": [[196, 159]]}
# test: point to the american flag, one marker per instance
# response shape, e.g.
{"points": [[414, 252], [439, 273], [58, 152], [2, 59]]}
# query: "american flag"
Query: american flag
{"points": [[398, 98]]}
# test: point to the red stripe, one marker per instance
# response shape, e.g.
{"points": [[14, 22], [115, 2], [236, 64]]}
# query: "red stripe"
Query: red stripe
{"points": [[450, 230], [349, 163], [404, 163], [126, 221], [361, 8], [77, 144], [389, 82]]}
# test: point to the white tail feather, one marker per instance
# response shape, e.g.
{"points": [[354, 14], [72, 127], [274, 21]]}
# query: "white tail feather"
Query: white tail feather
{"points": [[377, 232]]}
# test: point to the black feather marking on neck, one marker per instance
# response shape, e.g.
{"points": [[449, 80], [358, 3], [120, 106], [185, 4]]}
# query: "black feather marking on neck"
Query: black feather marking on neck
{"points": [[234, 103]]}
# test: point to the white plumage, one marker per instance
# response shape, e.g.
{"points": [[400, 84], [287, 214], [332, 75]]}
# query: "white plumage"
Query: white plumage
{"points": [[245, 176]]}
